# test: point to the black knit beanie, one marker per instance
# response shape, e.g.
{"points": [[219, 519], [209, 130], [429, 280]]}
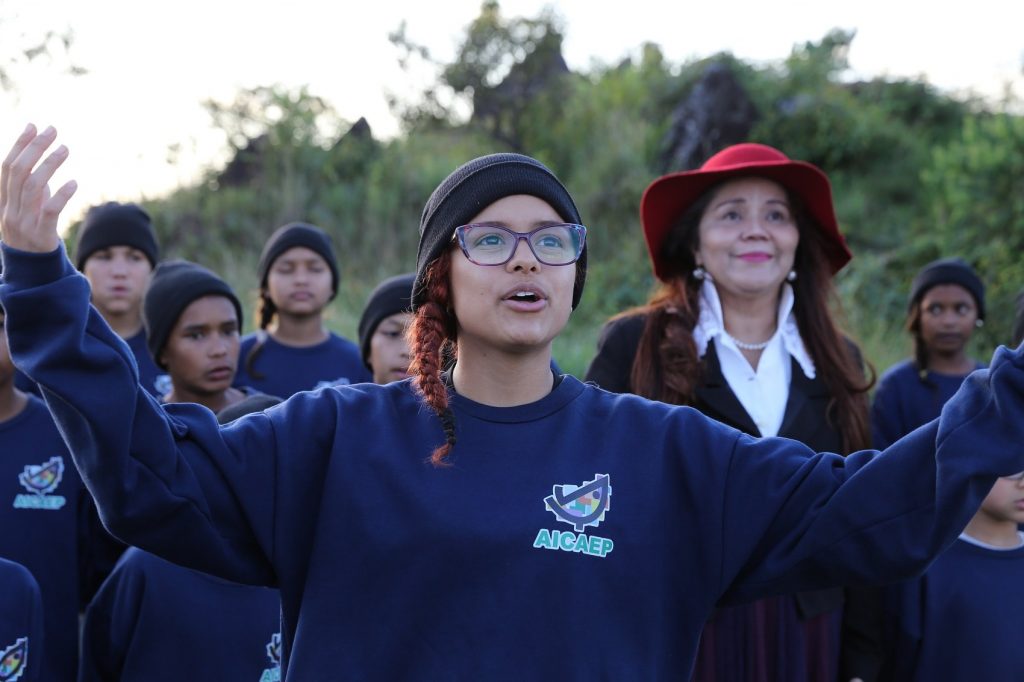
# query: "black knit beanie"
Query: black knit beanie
{"points": [[114, 224], [473, 187], [174, 285], [948, 271], [392, 296], [297, 234]]}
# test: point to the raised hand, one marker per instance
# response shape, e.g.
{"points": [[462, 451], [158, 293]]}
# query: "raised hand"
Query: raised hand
{"points": [[28, 212]]}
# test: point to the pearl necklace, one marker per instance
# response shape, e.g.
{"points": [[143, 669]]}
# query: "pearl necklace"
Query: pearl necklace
{"points": [[748, 346]]}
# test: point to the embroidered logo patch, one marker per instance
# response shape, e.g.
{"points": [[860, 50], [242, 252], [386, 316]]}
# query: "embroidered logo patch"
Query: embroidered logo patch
{"points": [[40, 480], [273, 674], [579, 506], [14, 660]]}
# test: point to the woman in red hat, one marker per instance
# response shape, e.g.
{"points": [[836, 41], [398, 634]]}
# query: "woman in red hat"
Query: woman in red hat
{"points": [[745, 249]]}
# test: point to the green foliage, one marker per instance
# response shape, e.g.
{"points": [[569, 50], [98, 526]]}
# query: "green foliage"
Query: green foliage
{"points": [[976, 188], [916, 174]]}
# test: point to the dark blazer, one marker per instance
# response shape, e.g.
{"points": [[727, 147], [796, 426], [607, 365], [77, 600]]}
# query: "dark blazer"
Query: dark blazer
{"points": [[805, 418]]}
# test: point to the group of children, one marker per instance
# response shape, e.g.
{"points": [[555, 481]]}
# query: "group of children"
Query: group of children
{"points": [[181, 326]]}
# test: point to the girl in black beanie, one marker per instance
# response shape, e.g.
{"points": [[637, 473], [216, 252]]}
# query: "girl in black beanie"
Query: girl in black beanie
{"points": [[946, 305], [293, 351], [383, 326]]}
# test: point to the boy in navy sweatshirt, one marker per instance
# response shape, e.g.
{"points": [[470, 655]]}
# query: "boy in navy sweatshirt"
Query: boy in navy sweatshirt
{"points": [[556, 531], [21, 624], [116, 249]]}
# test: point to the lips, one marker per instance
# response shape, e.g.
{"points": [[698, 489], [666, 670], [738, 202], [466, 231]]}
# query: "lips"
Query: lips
{"points": [[525, 298], [755, 257], [223, 373]]}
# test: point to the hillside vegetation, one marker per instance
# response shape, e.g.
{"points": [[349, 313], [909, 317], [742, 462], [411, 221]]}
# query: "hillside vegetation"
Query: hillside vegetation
{"points": [[917, 174]]}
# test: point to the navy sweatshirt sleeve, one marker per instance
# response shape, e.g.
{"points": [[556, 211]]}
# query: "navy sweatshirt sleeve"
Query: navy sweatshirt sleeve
{"points": [[900, 508]]}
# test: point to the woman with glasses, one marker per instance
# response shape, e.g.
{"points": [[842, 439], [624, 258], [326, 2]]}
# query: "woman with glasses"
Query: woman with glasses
{"points": [[525, 525], [745, 249]]}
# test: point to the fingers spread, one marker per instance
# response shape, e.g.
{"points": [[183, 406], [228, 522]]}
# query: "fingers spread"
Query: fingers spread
{"points": [[19, 146], [22, 165]]}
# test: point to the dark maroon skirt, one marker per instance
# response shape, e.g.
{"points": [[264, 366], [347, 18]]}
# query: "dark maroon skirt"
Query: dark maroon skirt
{"points": [[766, 641]]}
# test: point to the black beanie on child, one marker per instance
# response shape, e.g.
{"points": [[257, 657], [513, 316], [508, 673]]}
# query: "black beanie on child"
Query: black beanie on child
{"points": [[948, 271], [473, 187], [297, 234], [174, 285], [392, 296], [114, 224]]}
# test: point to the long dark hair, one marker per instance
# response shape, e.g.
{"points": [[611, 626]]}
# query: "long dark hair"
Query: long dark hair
{"points": [[667, 367]]}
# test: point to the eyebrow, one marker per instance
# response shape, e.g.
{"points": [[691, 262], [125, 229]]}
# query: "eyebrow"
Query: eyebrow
{"points": [[741, 200], [214, 325]]}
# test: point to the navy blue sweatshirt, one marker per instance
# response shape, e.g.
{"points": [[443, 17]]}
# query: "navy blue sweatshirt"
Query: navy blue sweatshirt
{"points": [[45, 516], [152, 378], [960, 622], [586, 535], [21, 624], [153, 621], [903, 402], [282, 370]]}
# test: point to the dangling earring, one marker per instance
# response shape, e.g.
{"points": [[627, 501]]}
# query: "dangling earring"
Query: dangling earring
{"points": [[791, 277], [699, 273], [979, 323]]}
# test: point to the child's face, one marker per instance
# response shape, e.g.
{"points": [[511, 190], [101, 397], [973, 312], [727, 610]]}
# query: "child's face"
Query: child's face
{"points": [[948, 317], [118, 276], [389, 349], [1006, 500], [299, 282], [201, 353]]}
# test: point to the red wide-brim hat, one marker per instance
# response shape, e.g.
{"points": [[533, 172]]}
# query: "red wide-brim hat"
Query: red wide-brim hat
{"points": [[669, 196]]}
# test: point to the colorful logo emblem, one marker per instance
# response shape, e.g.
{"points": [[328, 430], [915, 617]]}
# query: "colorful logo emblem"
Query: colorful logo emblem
{"points": [[40, 480], [14, 660], [579, 506], [273, 674], [583, 505]]}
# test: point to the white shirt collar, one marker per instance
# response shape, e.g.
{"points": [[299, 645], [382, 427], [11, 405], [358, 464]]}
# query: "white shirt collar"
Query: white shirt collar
{"points": [[710, 325]]}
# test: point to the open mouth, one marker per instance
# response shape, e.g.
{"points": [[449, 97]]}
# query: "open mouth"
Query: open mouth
{"points": [[524, 296]]}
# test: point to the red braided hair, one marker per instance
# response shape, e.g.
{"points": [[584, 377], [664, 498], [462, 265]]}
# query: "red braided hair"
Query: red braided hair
{"points": [[431, 335]]}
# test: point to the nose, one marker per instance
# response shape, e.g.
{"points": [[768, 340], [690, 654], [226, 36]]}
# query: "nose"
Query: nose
{"points": [[755, 229], [522, 258], [218, 346]]}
